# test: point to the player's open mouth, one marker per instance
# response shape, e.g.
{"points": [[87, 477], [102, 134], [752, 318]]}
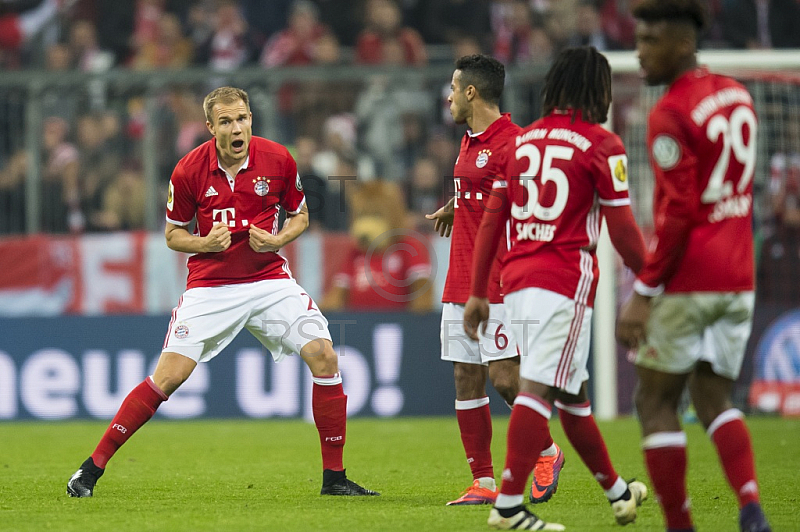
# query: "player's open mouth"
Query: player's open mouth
{"points": [[237, 145]]}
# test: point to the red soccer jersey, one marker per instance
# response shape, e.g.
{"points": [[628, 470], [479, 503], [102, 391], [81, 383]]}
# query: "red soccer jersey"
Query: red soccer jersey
{"points": [[702, 143], [481, 160], [560, 174], [200, 189], [384, 282]]}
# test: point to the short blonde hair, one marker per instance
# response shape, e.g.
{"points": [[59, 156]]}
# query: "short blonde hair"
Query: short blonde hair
{"points": [[224, 95]]}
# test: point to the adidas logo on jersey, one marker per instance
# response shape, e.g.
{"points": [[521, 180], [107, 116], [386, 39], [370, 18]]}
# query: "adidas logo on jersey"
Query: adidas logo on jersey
{"points": [[211, 192]]}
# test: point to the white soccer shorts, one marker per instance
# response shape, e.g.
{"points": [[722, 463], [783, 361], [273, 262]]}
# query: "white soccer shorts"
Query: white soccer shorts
{"points": [[553, 333], [278, 312], [698, 326], [497, 344]]}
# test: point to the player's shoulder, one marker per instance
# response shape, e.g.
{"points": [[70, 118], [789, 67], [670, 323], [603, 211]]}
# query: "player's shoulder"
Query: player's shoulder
{"points": [[260, 145], [502, 130], [198, 158]]}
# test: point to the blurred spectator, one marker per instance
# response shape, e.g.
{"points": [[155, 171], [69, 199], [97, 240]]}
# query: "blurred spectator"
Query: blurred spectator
{"points": [[60, 180], [314, 100], [99, 162], [780, 252], [200, 25], [443, 149], [446, 21], [618, 22], [385, 41], [265, 18], [146, 14], [298, 44], [344, 18], [123, 203], [589, 28], [761, 24], [19, 26], [190, 121], [12, 193], [85, 51], [55, 101], [512, 26], [167, 47], [295, 44], [424, 191], [229, 47], [784, 184], [58, 57], [115, 33], [381, 110], [326, 210]]}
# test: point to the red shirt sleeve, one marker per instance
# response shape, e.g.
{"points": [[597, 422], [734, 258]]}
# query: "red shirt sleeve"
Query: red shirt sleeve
{"points": [[489, 236], [676, 199], [181, 202], [293, 197], [609, 166], [625, 236]]}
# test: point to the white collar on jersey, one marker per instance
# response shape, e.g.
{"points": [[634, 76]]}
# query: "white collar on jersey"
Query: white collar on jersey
{"points": [[473, 135], [229, 176]]}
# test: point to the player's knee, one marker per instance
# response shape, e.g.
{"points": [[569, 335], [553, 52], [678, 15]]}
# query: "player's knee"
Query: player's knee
{"points": [[320, 357], [506, 385], [470, 380], [168, 383]]}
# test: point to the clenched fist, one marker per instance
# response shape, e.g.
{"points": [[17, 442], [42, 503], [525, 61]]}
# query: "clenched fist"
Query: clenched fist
{"points": [[218, 239], [262, 241]]}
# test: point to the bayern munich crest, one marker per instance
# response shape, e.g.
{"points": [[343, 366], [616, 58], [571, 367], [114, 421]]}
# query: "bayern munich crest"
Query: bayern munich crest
{"points": [[261, 185], [483, 158], [181, 331]]}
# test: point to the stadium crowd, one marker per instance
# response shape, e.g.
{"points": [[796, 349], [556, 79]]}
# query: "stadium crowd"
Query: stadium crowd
{"points": [[91, 165]]}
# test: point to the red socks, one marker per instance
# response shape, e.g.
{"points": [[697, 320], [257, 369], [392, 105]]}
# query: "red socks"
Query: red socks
{"points": [[475, 424], [329, 406], [582, 432], [137, 408], [527, 434], [730, 435], [665, 456]]}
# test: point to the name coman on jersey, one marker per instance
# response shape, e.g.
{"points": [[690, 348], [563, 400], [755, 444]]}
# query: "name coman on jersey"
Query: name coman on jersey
{"points": [[702, 143]]}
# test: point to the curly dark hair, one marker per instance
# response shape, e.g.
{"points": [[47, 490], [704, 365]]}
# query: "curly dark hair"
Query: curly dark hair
{"points": [[692, 11], [580, 79], [485, 73]]}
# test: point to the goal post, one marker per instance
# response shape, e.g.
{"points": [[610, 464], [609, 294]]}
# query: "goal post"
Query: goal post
{"points": [[773, 78]]}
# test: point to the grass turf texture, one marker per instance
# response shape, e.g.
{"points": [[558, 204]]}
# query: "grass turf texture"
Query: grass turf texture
{"points": [[265, 475]]}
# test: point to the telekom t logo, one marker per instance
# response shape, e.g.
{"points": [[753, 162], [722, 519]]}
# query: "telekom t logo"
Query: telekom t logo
{"points": [[226, 216]]}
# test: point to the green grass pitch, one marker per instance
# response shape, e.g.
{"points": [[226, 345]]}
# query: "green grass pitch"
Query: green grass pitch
{"points": [[241, 475]]}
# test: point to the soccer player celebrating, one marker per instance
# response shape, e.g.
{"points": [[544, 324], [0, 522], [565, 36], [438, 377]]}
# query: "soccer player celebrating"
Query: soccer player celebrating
{"points": [[565, 173], [476, 88], [234, 186], [692, 310]]}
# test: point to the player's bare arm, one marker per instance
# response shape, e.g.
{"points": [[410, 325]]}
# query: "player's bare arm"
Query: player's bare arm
{"points": [[632, 322], [262, 241], [476, 312], [179, 239], [443, 218]]}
